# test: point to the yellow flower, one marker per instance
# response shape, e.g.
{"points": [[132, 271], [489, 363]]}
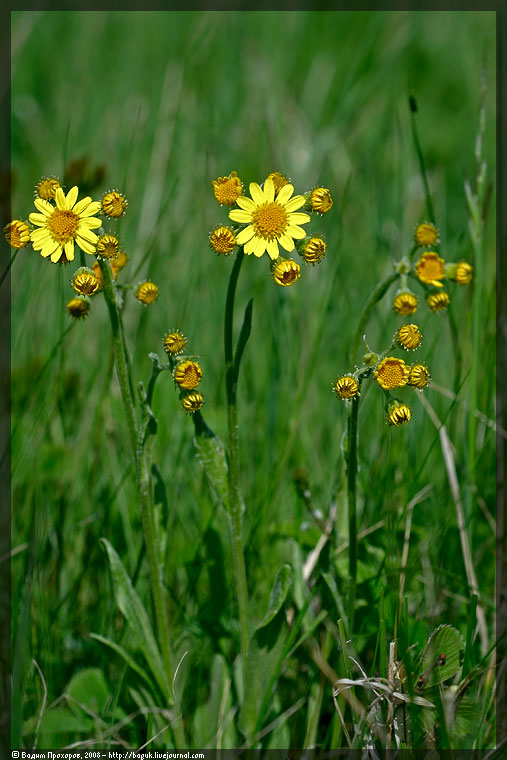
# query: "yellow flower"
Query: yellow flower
{"points": [[419, 376], [174, 342], [320, 200], [85, 282], [270, 221], [405, 303], [346, 386], [146, 292], [227, 189], [17, 233], [286, 272], [392, 373], [438, 301], [108, 246], [464, 273], [114, 204], [79, 307], [222, 240], [65, 225], [398, 413], [188, 374], [120, 261], [278, 180], [408, 336], [426, 234], [313, 250], [192, 402], [430, 269], [47, 187]]}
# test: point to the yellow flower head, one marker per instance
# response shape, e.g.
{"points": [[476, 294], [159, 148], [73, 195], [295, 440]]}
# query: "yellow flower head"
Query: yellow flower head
{"points": [[65, 225], [286, 272], [430, 269], [278, 180], [313, 250], [269, 220], [398, 413], [17, 233], [174, 342], [188, 374], [392, 373], [227, 189], [146, 292], [119, 262], [438, 301], [98, 272], [114, 204], [79, 307], [346, 386], [405, 303], [409, 337], [426, 234], [85, 282], [47, 187], [419, 376], [320, 200], [222, 240], [108, 246], [464, 273], [192, 402]]}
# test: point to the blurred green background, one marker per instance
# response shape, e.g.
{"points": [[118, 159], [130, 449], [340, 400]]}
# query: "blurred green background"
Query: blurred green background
{"points": [[158, 104]]}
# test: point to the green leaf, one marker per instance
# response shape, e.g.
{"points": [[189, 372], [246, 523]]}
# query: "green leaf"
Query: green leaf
{"points": [[445, 640], [214, 715], [278, 594], [59, 720], [211, 453], [124, 655], [89, 687], [133, 610]]}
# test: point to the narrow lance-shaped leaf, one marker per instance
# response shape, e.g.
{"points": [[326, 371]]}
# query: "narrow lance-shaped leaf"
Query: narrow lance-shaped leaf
{"points": [[278, 594]]}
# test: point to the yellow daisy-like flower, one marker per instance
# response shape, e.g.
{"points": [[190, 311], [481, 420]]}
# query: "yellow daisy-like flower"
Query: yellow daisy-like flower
{"points": [[346, 386], [174, 342], [47, 187], [419, 376], [17, 233], [270, 221], [79, 307], [438, 301], [464, 273], [313, 250], [392, 373], [222, 240], [398, 413], [320, 200], [192, 402], [108, 246], [278, 180], [405, 303], [85, 281], [227, 189], [430, 269], [426, 234], [286, 272], [114, 204], [65, 225], [409, 337], [188, 374], [146, 292]]}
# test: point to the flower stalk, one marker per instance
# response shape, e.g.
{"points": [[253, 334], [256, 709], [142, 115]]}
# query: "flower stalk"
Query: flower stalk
{"points": [[352, 436]]}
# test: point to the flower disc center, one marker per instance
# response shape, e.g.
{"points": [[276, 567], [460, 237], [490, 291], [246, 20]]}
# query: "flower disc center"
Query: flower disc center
{"points": [[63, 225], [269, 220]]}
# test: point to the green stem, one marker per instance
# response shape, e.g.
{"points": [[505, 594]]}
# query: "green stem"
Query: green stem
{"points": [[8, 268], [377, 294], [142, 460], [235, 503], [351, 498]]}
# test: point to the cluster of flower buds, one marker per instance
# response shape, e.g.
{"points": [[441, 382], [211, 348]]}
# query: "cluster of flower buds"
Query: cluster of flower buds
{"points": [[186, 371], [390, 372], [270, 218], [430, 270]]}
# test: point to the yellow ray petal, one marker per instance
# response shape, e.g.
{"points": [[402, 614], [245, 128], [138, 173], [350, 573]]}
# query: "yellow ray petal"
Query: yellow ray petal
{"points": [[69, 250], [80, 207], [260, 246], [72, 197], [295, 203], [237, 215], [272, 249], [256, 193], [44, 206], [245, 235], [85, 245], [299, 218], [246, 203], [284, 194], [286, 242], [269, 190], [294, 231], [92, 209], [59, 199]]}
